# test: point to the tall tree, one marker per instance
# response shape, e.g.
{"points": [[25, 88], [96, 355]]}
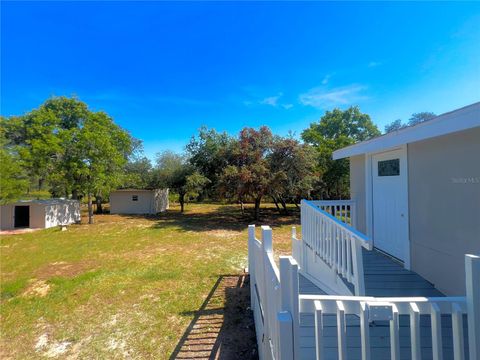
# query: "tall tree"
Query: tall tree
{"points": [[13, 178], [337, 129], [249, 170], [415, 119], [296, 162], [420, 117], [175, 172], [138, 174], [210, 152], [394, 126], [103, 148], [76, 151]]}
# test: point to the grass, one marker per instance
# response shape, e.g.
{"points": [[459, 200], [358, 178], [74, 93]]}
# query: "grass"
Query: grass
{"points": [[125, 286]]}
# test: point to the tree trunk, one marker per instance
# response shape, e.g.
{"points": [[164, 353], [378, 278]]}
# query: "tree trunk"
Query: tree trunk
{"points": [[284, 205], [98, 200], [181, 200], [40, 183], [276, 204], [90, 209], [257, 207], [242, 207], [74, 194]]}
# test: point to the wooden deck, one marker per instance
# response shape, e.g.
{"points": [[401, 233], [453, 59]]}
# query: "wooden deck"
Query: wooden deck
{"points": [[384, 277]]}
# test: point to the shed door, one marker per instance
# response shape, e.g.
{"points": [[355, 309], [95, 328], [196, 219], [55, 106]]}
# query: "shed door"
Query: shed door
{"points": [[22, 216], [390, 203]]}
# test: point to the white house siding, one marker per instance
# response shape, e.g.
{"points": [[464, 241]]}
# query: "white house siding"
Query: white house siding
{"points": [[37, 215], [161, 203], [6, 217], [444, 207], [64, 213], [357, 190]]}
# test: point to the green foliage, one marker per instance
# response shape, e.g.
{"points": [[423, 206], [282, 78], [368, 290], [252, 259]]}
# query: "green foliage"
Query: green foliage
{"points": [[13, 179], [210, 152], [294, 164], [415, 119], [394, 126], [74, 150], [337, 129], [138, 174], [249, 174], [175, 172], [420, 117]]}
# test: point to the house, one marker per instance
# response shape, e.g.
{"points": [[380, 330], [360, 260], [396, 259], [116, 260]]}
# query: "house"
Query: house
{"points": [[394, 272], [39, 213], [417, 194], [138, 201]]}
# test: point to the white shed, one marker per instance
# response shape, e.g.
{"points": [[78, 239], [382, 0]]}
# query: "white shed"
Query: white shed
{"points": [[136, 201], [40, 214]]}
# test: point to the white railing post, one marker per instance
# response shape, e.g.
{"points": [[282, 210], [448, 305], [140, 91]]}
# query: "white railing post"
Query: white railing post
{"points": [[289, 297], [353, 214], [286, 335], [472, 277], [318, 330], [265, 300], [251, 263], [358, 275], [296, 248]]}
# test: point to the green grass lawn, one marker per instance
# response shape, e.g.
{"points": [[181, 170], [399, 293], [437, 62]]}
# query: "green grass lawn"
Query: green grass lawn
{"points": [[124, 287]]}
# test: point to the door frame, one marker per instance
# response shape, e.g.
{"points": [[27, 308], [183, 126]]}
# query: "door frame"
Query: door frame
{"points": [[369, 198]]}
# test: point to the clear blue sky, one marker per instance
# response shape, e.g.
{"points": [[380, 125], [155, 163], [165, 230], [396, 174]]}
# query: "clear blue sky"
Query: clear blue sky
{"points": [[164, 69]]}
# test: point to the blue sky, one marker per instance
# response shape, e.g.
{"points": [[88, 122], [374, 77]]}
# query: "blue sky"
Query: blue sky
{"points": [[164, 69]]}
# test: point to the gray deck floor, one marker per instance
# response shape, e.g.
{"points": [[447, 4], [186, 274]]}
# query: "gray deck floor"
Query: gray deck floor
{"points": [[384, 277]]}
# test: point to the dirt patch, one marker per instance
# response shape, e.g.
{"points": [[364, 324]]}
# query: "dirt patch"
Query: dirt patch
{"points": [[37, 288], [17, 231], [64, 269], [223, 327], [224, 233]]}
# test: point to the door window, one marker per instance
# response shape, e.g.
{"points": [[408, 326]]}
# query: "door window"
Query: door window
{"points": [[389, 167]]}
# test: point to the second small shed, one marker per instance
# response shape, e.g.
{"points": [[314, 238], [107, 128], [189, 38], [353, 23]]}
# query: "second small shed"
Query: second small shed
{"points": [[39, 214], [136, 201]]}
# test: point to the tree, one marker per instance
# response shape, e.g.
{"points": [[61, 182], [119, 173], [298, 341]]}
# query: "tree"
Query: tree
{"points": [[76, 151], [175, 172], [420, 117], [138, 174], [297, 163], [103, 149], [415, 119], [210, 152], [394, 126], [13, 179], [249, 170], [337, 129]]}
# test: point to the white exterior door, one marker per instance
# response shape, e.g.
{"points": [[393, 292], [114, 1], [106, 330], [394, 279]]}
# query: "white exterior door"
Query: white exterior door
{"points": [[390, 203]]}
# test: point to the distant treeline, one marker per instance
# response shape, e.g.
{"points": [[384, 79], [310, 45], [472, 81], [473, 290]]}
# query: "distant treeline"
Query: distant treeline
{"points": [[69, 150]]}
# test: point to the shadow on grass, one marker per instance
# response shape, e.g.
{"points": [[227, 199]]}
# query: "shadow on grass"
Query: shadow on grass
{"points": [[224, 218], [223, 327]]}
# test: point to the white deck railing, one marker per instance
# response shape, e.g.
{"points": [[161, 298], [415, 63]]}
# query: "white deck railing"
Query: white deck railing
{"points": [[344, 210], [277, 305], [274, 298], [330, 251], [370, 309]]}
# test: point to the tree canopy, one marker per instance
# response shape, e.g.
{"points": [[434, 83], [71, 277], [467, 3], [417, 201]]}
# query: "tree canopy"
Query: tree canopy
{"points": [[337, 129], [415, 119], [72, 149]]}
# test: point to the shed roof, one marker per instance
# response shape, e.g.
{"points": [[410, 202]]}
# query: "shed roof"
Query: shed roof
{"points": [[134, 190], [54, 201], [457, 120]]}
